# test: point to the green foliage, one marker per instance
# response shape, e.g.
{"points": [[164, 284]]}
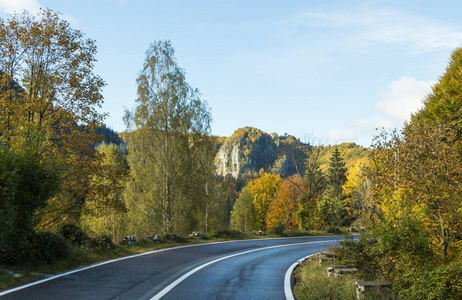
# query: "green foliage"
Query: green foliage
{"points": [[444, 103], [74, 234], [164, 151], [79, 238], [26, 183], [109, 136], [313, 283], [278, 229], [47, 248], [243, 216], [233, 234], [56, 107], [105, 211], [365, 255], [331, 207]]}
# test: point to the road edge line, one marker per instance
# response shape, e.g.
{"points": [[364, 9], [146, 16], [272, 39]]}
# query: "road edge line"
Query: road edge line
{"points": [[172, 285], [20, 287], [289, 277]]}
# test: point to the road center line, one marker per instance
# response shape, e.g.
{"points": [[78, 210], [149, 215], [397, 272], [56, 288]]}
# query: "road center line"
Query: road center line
{"points": [[182, 278]]}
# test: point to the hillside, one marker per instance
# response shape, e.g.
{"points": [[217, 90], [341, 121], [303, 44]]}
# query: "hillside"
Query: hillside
{"points": [[249, 149]]}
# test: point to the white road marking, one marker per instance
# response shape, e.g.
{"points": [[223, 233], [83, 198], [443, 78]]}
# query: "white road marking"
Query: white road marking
{"points": [[288, 278], [182, 278], [124, 258]]}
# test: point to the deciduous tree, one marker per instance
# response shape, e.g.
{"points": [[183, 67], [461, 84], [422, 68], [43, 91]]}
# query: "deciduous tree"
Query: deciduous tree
{"points": [[263, 189], [284, 206], [168, 118], [105, 209], [49, 99]]}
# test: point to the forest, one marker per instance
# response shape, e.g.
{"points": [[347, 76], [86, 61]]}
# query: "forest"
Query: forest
{"points": [[64, 174]]}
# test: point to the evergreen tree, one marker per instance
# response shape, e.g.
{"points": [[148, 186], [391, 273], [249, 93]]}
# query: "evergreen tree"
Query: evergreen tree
{"points": [[336, 174], [331, 207], [314, 186]]}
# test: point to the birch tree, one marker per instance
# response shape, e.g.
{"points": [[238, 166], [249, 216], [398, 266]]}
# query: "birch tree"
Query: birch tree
{"points": [[167, 123]]}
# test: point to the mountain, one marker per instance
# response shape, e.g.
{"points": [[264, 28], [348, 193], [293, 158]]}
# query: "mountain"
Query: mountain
{"points": [[249, 149]]}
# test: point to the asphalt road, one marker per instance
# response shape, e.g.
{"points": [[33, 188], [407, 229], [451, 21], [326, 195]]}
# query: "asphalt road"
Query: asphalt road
{"points": [[250, 269]]}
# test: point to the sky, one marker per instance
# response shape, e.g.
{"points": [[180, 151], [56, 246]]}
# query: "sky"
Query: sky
{"points": [[332, 71]]}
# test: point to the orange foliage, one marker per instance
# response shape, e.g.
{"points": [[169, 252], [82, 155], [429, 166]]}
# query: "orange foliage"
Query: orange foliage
{"points": [[284, 206]]}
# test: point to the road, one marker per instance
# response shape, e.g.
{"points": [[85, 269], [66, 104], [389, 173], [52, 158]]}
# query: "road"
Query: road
{"points": [[250, 269]]}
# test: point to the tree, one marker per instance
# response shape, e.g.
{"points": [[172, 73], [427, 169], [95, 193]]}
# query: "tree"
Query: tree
{"points": [[243, 216], [49, 98], [26, 183], [331, 206], [357, 191], [263, 189], [168, 120], [212, 207], [105, 208], [444, 103], [314, 186], [419, 174], [284, 206]]}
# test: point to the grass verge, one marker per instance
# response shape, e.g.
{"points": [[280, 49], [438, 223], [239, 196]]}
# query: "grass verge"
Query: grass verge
{"points": [[312, 283]]}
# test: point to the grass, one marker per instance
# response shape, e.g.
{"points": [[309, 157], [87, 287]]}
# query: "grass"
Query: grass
{"points": [[312, 283], [11, 276]]}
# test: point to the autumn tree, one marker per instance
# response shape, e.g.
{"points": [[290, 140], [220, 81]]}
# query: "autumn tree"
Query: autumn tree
{"points": [[49, 99], [419, 174], [243, 216], [105, 208], [284, 206], [262, 190], [167, 122], [357, 190]]}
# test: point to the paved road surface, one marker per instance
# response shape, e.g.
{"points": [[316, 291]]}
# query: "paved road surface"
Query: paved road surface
{"points": [[250, 269]]}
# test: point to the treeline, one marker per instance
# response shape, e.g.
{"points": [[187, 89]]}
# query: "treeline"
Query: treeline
{"points": [[64, 175], [409, 194]]}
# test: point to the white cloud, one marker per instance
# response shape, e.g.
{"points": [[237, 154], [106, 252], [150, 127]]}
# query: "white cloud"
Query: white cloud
{"points": [[389, 27], [32, 6], [361, 131], [336, 136], [403, 97], [18, 6]]}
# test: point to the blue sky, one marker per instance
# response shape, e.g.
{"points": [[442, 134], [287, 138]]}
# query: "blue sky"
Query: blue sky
{"points": [[330, 71]]}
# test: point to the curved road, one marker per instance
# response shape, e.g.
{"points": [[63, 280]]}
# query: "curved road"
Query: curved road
{"points": [[250, 269]]}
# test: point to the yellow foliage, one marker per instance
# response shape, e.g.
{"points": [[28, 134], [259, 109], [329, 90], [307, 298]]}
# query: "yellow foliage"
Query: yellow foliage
{"points": [[263, 190], [284, 206]]}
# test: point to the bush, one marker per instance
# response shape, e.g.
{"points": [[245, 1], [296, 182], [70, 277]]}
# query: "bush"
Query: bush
{"points": [[173, 237], [102, 241], [74, 234], [363, 254], [46, 247], [225, 233], [278, 229]]}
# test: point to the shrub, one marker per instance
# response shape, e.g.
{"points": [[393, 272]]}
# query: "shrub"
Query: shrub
{"points": [[74, 234], [363, 254], [278, 229], [46, 247], [225, 233], [101, 241]]}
